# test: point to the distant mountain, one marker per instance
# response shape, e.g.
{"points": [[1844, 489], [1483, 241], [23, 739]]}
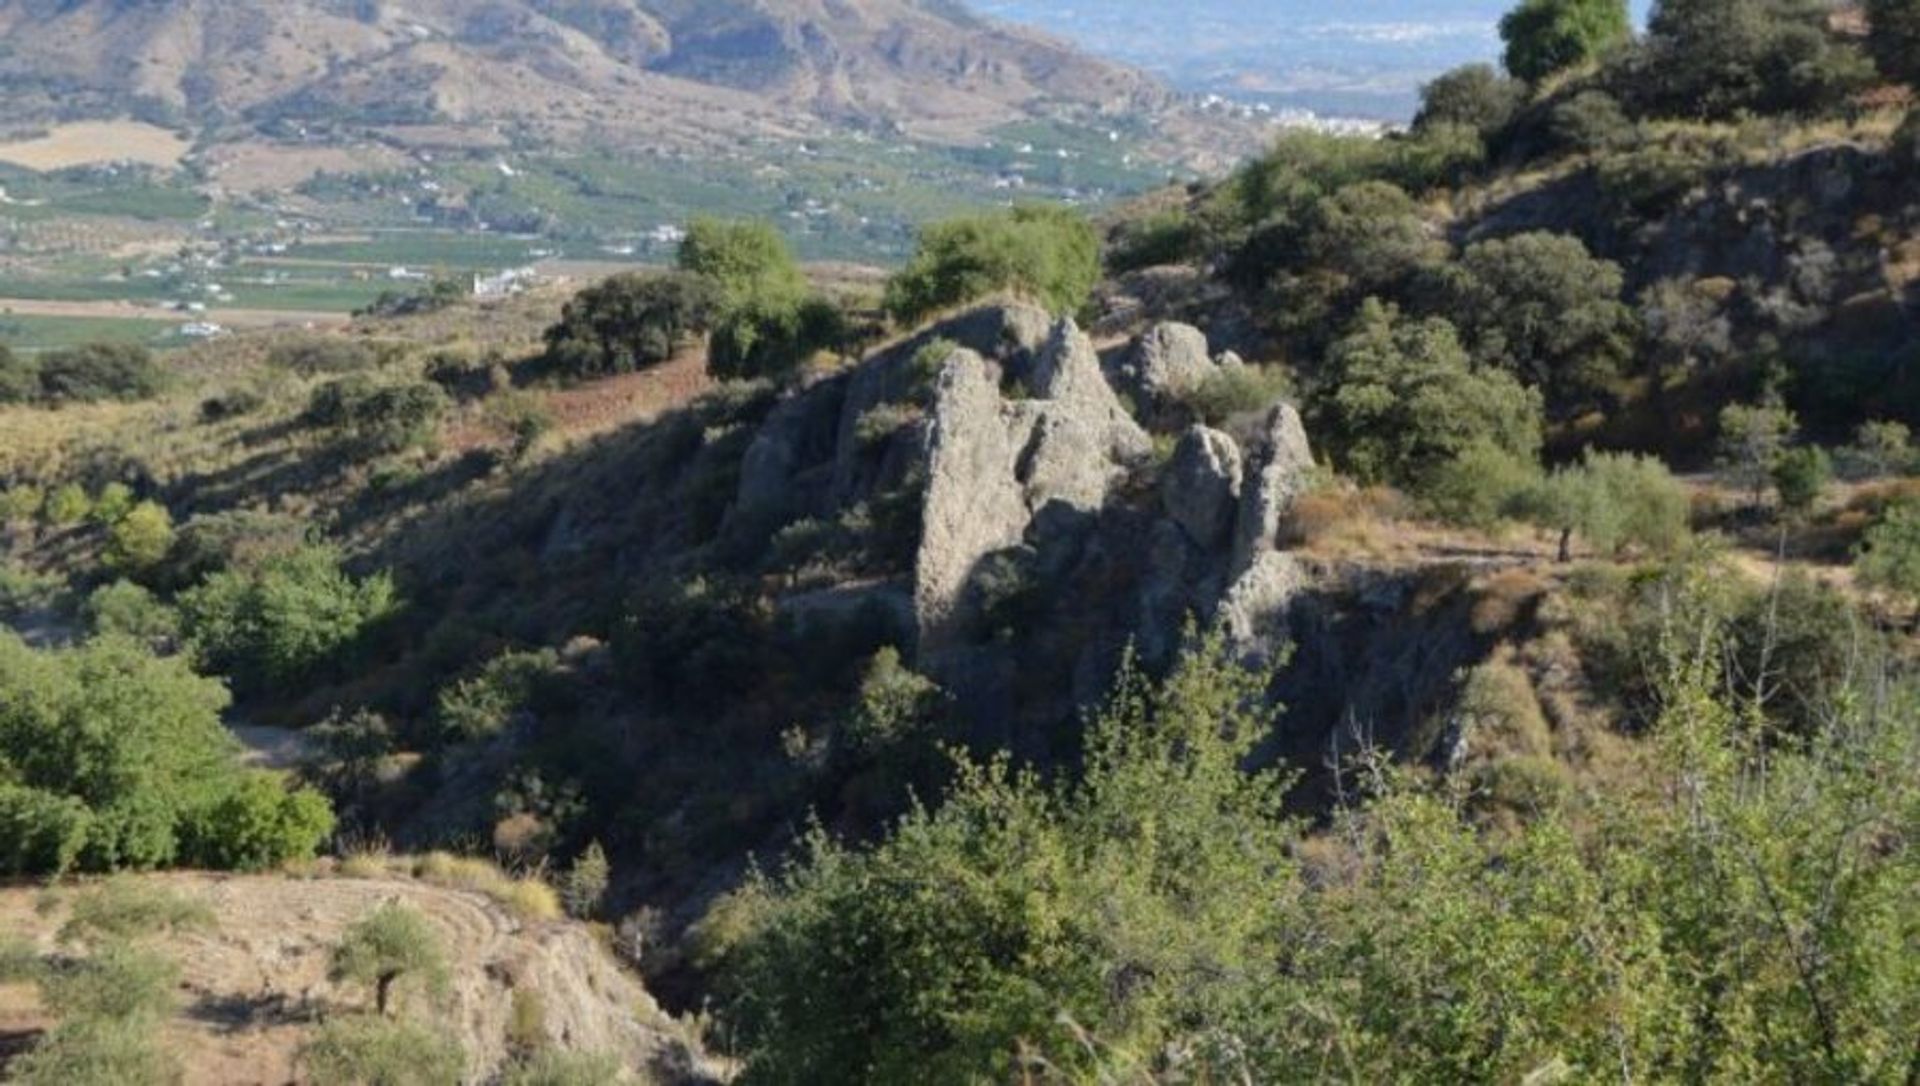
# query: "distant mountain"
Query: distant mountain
{"points": [[663, 72]]}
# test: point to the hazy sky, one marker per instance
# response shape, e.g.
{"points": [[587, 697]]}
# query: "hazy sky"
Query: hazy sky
{"points": [[1365, 57]]}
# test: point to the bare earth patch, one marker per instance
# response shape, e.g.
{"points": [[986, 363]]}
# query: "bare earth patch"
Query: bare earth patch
{"points": [[254, 986], [92, 142]]}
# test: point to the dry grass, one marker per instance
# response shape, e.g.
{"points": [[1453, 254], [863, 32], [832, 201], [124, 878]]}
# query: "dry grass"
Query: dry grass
{"points": [[91, 142], [526, 897]]}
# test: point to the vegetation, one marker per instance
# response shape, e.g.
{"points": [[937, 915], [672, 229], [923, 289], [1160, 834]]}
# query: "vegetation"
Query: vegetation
{"points": [[88, 374], [286, 620], [1048, 254], [1545, 37], [766, 320], [112, 758], [1890, 554], [391, 945], [369, 1050], [630, 322]]}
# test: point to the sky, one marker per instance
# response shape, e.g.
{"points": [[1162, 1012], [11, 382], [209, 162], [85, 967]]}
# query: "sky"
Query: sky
{"points": [[1361, 58]]}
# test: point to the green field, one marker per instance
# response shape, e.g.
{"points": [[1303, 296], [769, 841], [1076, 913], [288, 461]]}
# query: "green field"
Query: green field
{"points": [[29, 334]]}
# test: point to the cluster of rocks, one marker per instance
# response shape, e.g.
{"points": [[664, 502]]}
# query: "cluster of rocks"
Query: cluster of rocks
{"points": [[1038, 464]]}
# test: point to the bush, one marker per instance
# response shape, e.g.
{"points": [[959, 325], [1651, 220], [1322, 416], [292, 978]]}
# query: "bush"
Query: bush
{"points": [[1049, 254], [121, 910], [1881, 449], [41, 833], [628, 323], [19, 377], [140, 540], [1168, 237], [96, 1053], [260, 824], [585, 889], [483, 706], [112, 504], [771, 338], [125, 609], [289, 619], [1717, 59], [68, 506], [315, 357], [379, 418], [1230, 391], [1545, 37], [100, 371], [237, 540], [117, 983], [1474, 96], [566, 1069], [390, 945], [1894, 38], [1592, 123], [361, 1050], [1890, 555], [1753, 437], [1801, 476], [1480, 487]]}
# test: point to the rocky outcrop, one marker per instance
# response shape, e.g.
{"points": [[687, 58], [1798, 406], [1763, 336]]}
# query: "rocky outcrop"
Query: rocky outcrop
{"points": [[1282, 471], [1163, 365], [1201, 486], [1000, 470]]}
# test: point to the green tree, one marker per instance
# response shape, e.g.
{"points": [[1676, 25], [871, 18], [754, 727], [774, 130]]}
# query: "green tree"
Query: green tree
{"points": [[140, 540], [1752, 439], [767, 321], [1890, 554], [1894, 38], [1614, 501], [288, 618], [125, 609], [1049, 254], [630, 322], [742, 260], [1542, 307], [1714, 59], [1481, 486], [1019, 915], [67, 506], [1400, 398], [1800, 476], [99, 371], [390, 945], [114, 502], [1544, 37]]}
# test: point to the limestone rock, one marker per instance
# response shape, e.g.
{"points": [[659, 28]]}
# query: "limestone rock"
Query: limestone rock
{"points": [[1201, 486], [1254, 612], [1068, 374], [1282, 470], [1170, 360]]}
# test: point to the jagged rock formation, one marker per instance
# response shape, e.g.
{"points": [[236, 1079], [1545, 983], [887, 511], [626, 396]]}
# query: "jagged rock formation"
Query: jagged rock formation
{"points": [[1049, 537]]}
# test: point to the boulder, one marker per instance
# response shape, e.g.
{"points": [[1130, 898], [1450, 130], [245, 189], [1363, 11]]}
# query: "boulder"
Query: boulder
{"points": [[1201, 486], [1068, 376], [1167, 362], [1281, 471]]}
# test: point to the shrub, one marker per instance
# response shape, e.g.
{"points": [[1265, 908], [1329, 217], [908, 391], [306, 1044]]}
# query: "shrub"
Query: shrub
{"points": [[440, 294], [1548, 36], [391, 945], [1479, 488], [260, 824], [359, 1050], [1230, 391], [23, 590], [140, 540], [41, 833], [237, 540], [121, 910], [772, 338], [524, 419], [1715, 59], [117, 983], [316, 356], [1881, 449], [1800, 477], [630, 322], [1048, 254], [379, 418], [137, 739], [1752, 439], [112, 504], [125, 609], [483, 706], [19, 377], [1474, 96], [68, 506], [1167, 237], [1591, 122], [288, 619], [96, 1053], [566, 1069], [1890, 555], [585, 888], [100, 371]]}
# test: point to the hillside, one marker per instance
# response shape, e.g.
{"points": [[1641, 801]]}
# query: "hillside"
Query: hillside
{"points": [[656, 71], [254, 984]]}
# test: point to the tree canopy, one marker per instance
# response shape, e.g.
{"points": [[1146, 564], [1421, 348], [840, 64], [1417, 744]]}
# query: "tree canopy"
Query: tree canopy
{"points": [[1049, 254]]}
